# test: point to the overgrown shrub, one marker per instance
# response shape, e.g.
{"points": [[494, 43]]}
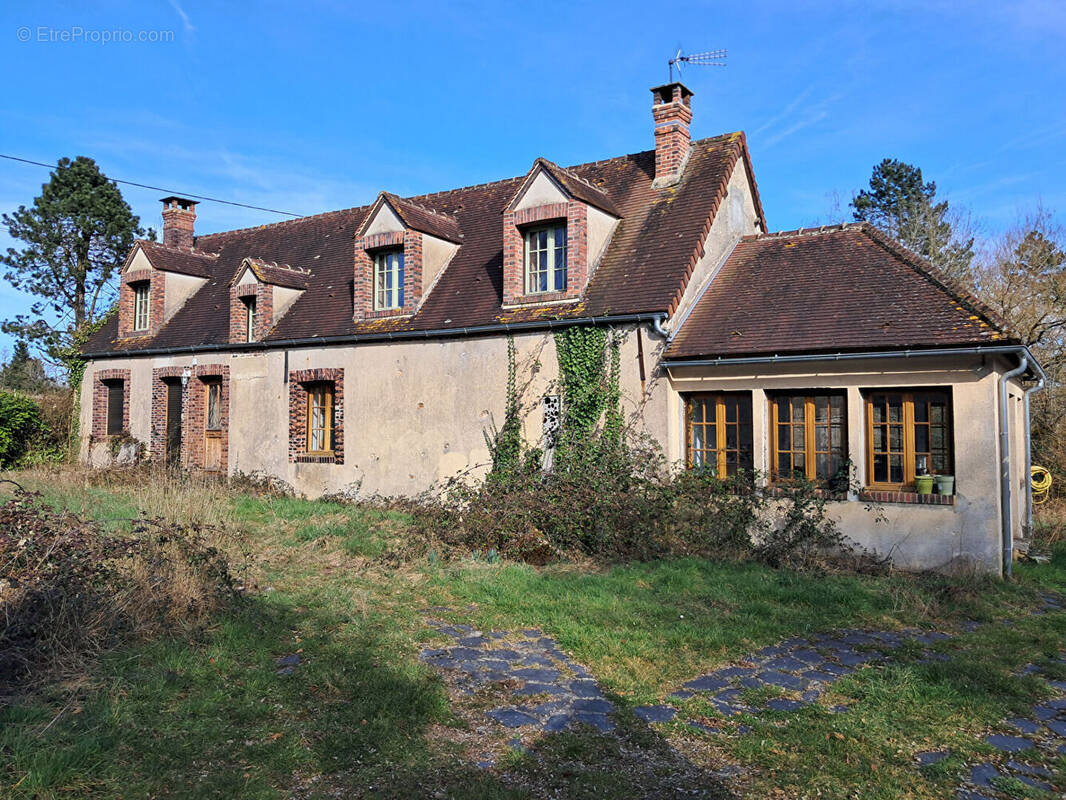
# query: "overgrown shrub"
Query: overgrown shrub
{"points": [[20, 422], [69, 589]]}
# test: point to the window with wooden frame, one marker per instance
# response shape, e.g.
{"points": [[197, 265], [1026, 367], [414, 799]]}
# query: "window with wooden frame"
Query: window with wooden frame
{"points": [[808, 437], [388, 280], [546, 259], [908, 433], [718, 432], [116, 400], [320, 418], [141, 305], [249, 318]]}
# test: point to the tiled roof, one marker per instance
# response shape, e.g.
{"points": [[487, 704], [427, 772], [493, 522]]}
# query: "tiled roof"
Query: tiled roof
{"points": [[576, 187], [419, 218], [177, 259], [644, 270], [843, 288], [275, 274]]}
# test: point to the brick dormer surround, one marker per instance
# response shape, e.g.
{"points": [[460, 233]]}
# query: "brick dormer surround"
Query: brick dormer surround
{"points": [[363, 291], [264, 310], [575, 214], [157, 287]]}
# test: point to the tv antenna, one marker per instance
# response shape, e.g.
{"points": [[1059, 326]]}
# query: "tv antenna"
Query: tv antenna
{"points": [[712, 58]]}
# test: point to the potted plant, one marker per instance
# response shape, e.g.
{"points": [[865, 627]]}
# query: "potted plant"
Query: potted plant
{"points": [[923, 481], [945, 484]]}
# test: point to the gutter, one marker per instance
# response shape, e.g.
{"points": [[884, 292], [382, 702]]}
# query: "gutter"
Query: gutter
{"points": [[1026, 363], [656, 319]]}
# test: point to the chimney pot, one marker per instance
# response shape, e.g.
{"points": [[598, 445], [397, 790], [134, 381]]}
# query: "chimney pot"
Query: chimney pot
{"points": [[672, 111], [179, 220]]}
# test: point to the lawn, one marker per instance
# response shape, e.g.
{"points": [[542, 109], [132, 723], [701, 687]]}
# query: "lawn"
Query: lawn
{"points": [[361, 716]]}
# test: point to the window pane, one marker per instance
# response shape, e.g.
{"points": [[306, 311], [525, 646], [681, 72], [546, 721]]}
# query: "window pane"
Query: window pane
{"points": [[921, 410], [782, 410], [879, 438], [784, 464], [797, 437], [698, 441], [896, 469], [895, 438], [115, 402], [881, 468], [821, 409], [784, 437], [821, 466], [895, 410], [797, 409], [731, 437], [821, 438], [921, 438]]}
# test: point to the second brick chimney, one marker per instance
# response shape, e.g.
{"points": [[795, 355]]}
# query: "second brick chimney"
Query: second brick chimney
{"points": [[179, 219], [672, 110]]}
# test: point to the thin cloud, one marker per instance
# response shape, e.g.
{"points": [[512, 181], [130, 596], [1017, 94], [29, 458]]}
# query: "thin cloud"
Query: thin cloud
{"points": [[186, 23]]}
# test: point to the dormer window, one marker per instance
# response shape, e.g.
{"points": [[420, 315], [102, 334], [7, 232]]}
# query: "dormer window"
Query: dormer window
{"points": [[141, 305], [388, 280], [249, 318], [546, 259]]}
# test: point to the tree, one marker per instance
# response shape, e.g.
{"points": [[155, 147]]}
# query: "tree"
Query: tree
{"points": [[76, 235], [904, 206], [1023, 278], [24, 373]]}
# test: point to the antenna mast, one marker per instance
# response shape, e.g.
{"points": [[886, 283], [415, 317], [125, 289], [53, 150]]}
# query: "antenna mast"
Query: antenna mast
{"points": [[712, 58]]}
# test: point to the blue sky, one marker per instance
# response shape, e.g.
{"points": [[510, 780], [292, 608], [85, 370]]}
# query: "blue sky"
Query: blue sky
{"points": [[319, 105]]}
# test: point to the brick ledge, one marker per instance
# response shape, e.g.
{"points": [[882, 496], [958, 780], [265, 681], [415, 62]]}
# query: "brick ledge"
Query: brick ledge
{"points": [[910, 498]]}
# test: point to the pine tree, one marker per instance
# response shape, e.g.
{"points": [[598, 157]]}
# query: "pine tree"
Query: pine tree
{"points": [[904, 206], [76, 235]]}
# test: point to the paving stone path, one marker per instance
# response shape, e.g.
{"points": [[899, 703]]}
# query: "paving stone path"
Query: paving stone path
{"points": [[1027, 745], [550, 691]]}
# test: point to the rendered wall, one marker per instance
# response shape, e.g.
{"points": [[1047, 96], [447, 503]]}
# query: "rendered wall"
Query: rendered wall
{"points": [[959, 537]]}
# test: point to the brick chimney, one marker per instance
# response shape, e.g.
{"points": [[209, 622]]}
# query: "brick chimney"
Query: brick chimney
{"points": [[179, 218], [672, 110]]}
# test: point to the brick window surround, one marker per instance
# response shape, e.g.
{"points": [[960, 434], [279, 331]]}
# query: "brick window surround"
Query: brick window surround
{"points": [[575, 214], [298, 380], [100, 390], [157, 283], [264, 310], [363, 290], [193, 413]]}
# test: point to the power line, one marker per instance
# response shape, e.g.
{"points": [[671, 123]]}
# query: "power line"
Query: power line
{"points": [[160, 189]]}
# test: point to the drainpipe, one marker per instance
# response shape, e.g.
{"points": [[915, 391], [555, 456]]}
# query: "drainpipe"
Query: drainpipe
{"points": [[657, 325], [1004, 465], [1029, 460]]}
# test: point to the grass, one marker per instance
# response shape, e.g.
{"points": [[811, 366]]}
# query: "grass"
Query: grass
{"points": [[362, 717]]}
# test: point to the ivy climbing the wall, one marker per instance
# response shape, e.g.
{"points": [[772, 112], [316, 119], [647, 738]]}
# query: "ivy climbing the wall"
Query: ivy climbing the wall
{"points": [[589, 381]]}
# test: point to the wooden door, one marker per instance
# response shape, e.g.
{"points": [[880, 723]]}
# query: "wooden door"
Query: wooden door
{"points": [[213, 426]]}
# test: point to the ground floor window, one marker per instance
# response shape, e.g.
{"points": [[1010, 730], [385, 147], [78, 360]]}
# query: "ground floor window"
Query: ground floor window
{"points": [[808, 439], [116, 398], [320, 418], [718, 432], [908, 433]]}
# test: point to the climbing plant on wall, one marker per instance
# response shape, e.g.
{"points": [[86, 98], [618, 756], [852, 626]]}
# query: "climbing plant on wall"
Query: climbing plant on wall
{"points": [[505, 444], [589, 372]]}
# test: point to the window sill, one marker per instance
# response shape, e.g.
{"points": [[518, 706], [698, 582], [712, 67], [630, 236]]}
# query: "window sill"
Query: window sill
{"points": [[388, 312], [825, 494], [316, 458], [906, 498], [541, 299]]}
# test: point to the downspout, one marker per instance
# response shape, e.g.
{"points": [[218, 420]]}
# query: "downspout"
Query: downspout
{"points": [[657, 325], [1029, 459], [1004, 465]]}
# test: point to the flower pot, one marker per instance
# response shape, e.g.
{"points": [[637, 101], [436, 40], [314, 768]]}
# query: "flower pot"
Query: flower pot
{"points": [[945, 484], [924, 484]]}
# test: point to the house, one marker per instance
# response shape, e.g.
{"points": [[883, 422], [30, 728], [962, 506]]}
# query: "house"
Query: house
{"points": [[367, 348]]}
